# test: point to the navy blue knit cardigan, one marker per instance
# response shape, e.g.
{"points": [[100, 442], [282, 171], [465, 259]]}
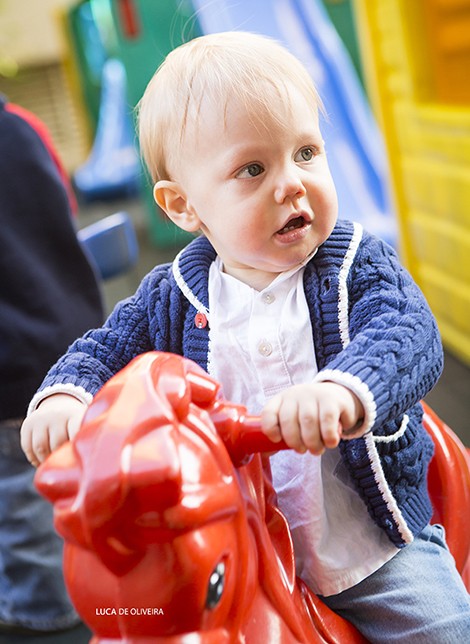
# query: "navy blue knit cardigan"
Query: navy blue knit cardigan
{"points": [[370, 322]]}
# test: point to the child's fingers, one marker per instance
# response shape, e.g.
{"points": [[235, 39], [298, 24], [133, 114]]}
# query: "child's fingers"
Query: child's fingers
{"points": [[75, 422], [58, 435], [329, 423], [289, 424], [56, 420], [352, 418], [26, 439], [353, 431], [270, 420], [40, 444], [309, 428]]}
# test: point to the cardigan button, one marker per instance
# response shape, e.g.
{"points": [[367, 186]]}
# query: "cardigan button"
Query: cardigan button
{"points": [[200, 320]]}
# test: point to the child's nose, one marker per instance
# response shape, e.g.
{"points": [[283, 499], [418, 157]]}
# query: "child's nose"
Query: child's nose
{"points": [[289, 186]]}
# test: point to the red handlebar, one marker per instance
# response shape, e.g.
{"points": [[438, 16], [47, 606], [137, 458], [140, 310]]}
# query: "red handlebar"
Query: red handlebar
{"points": [[242, 433]]}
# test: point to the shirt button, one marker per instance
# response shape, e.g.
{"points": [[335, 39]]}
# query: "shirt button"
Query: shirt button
{"points": [[265, 348], [268, 298]]}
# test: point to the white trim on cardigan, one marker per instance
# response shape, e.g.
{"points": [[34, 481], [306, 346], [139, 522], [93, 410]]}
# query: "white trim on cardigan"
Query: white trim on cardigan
{"points": [[384, 489], [199, 306], [363, 392], [71, 390], [343, 298], [353, 383], [398, 434]]}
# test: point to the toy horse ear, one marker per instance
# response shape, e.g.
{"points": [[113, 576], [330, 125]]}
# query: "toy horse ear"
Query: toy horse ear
{"points": [[172, 199], [204, 390]]}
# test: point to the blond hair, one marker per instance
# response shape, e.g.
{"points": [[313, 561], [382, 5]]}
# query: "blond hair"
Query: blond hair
{"points": [[251, 68]]}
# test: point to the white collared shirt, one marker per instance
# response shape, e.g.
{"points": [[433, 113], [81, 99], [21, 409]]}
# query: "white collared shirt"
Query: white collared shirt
{"points": [[261, 343]]}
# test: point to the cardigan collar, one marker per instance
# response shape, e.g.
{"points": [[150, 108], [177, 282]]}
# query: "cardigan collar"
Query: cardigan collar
{"points": [[191, 272], [191, 265]]}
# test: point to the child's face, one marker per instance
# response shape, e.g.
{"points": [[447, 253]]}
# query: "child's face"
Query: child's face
{"points": [[260, 190]]}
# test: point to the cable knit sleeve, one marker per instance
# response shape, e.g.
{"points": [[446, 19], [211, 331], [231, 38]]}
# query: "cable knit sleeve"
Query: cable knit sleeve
{"points": [[131, 329], [392, 353]]}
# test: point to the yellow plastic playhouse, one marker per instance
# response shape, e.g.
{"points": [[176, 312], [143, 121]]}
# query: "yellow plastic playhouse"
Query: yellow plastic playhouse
{"points": [[416, 56]]}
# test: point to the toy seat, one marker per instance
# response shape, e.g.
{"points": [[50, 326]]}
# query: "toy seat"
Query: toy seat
{"points": [[111, 244], [449, 487]]}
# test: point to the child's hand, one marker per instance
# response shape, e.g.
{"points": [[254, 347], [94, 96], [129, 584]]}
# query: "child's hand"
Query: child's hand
{"points": [[312, 417], [55, 421]]}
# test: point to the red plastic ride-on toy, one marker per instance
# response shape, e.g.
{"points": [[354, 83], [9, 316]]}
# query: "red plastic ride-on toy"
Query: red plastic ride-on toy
{"points": [[171, 529]]}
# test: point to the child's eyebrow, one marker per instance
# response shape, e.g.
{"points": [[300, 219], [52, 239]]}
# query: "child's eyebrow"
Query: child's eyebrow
{"points": [[244, 153]]}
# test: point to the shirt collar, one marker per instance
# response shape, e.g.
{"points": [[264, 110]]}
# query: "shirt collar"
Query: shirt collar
{"points": [[279, 279]]}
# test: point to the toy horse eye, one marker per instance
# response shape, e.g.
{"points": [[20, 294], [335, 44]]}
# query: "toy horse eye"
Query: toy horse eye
{"points": [[216, 584]]}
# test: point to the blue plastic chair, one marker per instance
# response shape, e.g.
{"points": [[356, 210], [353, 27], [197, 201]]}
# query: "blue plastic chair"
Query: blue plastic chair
{"points": [[111, 244]]}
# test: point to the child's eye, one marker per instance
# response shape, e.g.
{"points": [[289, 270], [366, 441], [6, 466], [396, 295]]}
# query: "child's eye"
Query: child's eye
{"points": [[251, 170], [305, 154]]}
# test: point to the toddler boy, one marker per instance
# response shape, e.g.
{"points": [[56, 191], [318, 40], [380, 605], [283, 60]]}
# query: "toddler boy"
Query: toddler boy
{"points": [[307, 320]]}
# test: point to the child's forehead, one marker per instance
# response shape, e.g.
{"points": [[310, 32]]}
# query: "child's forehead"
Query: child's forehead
{"points": [[270, 108]]}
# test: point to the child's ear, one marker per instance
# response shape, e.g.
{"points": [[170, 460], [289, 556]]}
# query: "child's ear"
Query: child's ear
{"points": [[172, 199]]}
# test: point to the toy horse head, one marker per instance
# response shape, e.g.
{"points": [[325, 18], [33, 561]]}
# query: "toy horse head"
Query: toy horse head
{"points": [[147, 498]]}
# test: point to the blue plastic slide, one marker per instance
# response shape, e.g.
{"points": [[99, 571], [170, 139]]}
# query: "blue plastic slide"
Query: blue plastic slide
{"points": [[353, 141], [113, 167]]}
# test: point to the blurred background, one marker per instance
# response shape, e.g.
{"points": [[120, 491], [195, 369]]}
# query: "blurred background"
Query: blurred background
{"points": [[394, 76]]}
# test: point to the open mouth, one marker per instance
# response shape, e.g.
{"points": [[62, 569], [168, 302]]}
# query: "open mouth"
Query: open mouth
{"points": [[293, 224]]}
